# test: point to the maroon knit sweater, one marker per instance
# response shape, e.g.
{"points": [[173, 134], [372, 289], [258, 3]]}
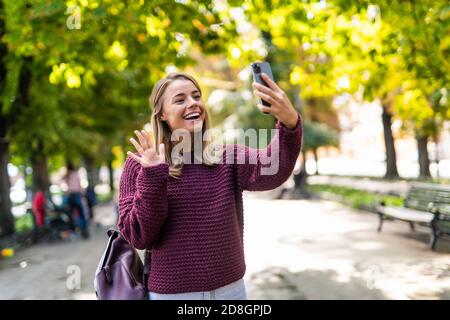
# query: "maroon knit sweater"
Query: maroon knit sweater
{"points": [[196, 222]]}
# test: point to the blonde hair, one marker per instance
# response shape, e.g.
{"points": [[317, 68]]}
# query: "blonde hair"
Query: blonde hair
{"points": [[161, 130]]}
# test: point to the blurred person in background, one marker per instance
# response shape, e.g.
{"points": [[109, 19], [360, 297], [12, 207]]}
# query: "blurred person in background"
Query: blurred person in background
{"points": [[91, 199], [74, 197], [38, 206]]}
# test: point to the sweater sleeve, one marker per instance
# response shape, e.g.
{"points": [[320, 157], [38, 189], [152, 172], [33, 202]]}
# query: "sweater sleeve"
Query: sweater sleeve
{"points": [[142, 202], [268, 168]]}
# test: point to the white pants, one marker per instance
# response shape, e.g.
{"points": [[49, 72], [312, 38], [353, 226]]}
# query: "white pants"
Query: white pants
{"points": [[232, 291]]}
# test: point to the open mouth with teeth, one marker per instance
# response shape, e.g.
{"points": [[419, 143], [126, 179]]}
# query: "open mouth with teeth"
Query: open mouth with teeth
{"points": [[192, 116]]}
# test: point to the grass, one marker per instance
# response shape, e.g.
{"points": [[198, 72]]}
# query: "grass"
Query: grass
{"points": [[104, 197], [356, 198], [24, 223]]}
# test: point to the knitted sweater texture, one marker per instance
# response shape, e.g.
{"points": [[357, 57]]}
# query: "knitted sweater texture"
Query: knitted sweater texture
{"points": [[195, 224]]}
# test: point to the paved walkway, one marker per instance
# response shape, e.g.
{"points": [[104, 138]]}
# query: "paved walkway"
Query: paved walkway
{"points": [[298, 249], [294, 250]]}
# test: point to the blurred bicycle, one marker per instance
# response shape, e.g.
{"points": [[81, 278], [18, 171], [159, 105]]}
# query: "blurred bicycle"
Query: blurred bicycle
{"points": [[51, 222]]}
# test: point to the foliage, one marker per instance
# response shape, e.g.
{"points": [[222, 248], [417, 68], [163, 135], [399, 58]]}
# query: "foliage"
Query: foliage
{"points": [[356, 198], [318, 135], [91, 76]]}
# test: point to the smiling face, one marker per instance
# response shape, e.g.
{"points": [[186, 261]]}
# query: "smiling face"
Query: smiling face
{"points": [[183, 107]]}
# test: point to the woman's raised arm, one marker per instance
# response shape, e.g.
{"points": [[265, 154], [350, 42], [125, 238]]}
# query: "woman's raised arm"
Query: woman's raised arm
{"points": [[268, 168]]}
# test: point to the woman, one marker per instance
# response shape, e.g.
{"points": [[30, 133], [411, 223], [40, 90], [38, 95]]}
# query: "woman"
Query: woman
{"points": [[74, 197], [189, 214]]}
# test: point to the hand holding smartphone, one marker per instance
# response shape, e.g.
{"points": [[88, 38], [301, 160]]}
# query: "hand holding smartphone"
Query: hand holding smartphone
{"points": [[257, 69]]}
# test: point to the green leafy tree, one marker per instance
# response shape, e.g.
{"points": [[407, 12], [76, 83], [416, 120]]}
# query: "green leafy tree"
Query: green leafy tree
{"points": [[78, 75]]}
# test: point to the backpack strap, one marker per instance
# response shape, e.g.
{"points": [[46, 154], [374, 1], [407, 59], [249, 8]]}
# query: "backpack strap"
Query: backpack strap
{"points": [[112, 234], [147, 266]]}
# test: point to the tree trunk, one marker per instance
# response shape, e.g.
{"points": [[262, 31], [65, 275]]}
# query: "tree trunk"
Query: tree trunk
{"points": [[391, 158], [92, 173], [316, 161], [6, 217], [38, 159], [41, 180], [424, 160], [111, 175], [436, 154], [300, 180]]}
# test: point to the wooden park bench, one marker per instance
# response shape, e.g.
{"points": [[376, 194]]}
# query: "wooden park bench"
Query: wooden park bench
{"points": [[425, 204]]}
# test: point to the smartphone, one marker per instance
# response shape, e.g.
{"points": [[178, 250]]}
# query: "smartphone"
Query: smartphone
{"points": [[257, 69]]}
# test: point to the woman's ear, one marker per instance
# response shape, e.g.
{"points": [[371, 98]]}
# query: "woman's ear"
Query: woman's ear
{"points": [[163, 116]]}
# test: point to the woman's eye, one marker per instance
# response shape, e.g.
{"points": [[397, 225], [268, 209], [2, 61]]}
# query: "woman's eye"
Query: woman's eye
{"points": [[196, 97]]}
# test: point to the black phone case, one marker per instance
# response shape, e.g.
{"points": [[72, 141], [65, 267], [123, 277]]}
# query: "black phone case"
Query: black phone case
{"points": [[257, 69]]}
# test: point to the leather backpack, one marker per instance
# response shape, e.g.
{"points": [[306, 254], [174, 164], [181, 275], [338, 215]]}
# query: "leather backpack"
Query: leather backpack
{"points": [[121, 274]]}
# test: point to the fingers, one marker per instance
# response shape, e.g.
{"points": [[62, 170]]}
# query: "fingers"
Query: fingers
{"points": [[135, 157], [147, 138], [142, 140], [137, 146], [270, 82], [265, 97], [264, 109], [265, 90]]}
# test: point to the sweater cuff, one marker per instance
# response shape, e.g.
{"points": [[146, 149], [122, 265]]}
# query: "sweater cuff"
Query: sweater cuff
{"points": [[150, 176], [280, 125]]}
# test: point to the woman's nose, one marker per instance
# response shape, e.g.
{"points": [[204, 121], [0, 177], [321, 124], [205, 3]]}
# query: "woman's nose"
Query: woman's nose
{"points": [[192, 102]]}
